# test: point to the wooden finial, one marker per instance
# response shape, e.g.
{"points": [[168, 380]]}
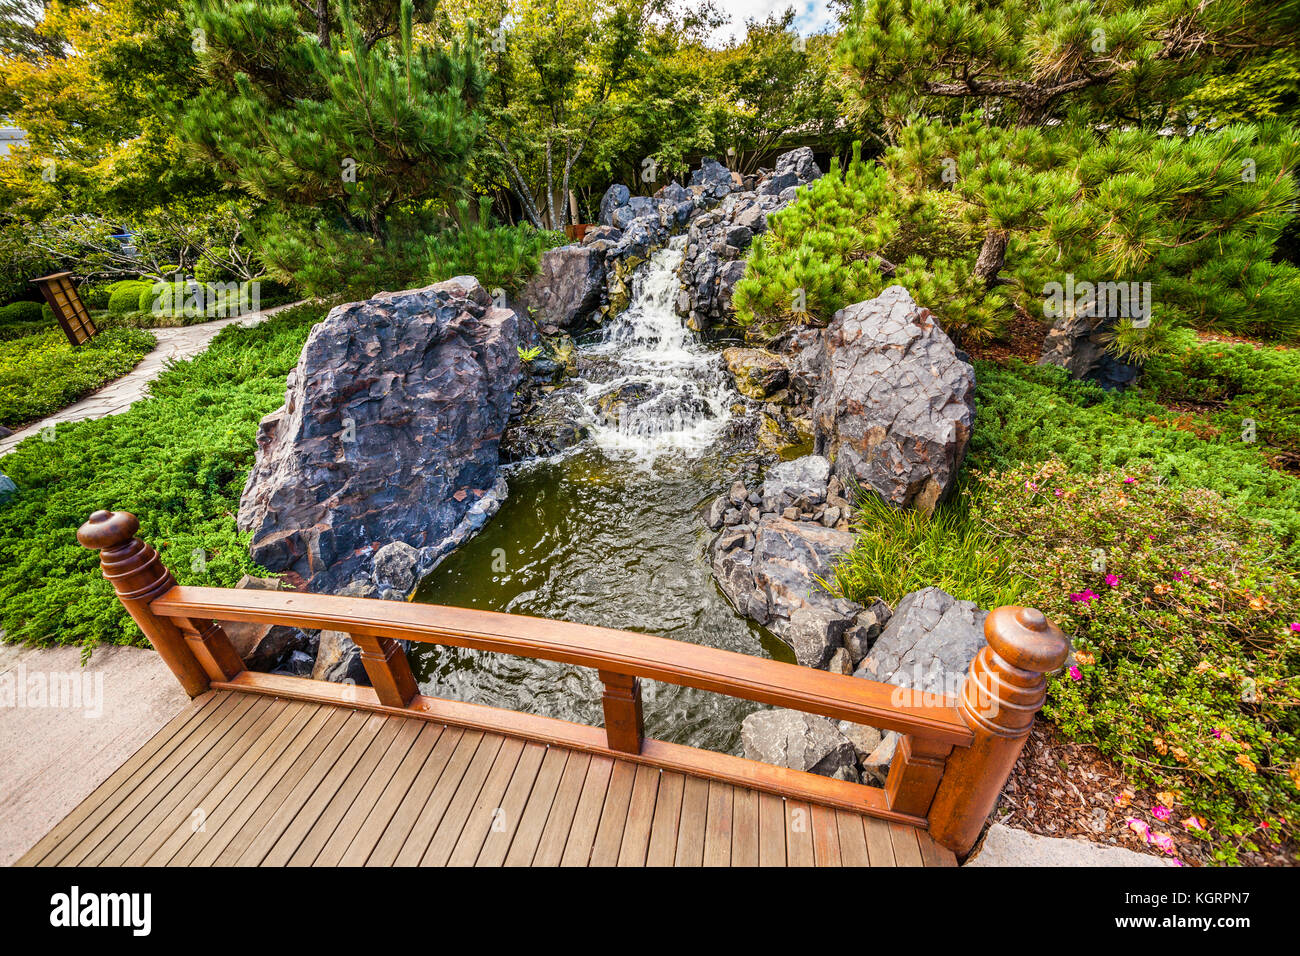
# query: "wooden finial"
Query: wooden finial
{"points": [[1003, 691], [195, 651]]}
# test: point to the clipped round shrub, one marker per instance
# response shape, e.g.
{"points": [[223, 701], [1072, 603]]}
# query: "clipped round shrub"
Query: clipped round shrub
{"points": [[95, 295], [20, 312], [126, 295]]}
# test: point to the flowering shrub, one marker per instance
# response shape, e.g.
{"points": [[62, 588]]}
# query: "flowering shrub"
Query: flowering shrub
{"points": [[1185, 625]]}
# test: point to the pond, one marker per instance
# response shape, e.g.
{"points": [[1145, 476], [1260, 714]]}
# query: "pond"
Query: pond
{"points": [[609, 533]]}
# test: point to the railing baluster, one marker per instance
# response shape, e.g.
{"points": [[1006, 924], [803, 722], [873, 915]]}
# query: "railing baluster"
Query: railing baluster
{"points": [[388, 669], [914, 774], [624, 727], [197, 652], [1003, 691]]}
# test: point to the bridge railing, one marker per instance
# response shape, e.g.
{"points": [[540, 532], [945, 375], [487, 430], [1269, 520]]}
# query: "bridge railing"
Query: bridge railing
{"points": [[952, 759]]}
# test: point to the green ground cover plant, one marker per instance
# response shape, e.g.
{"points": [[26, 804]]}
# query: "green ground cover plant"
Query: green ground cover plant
{"points": [[42, 373], [177, 458]]}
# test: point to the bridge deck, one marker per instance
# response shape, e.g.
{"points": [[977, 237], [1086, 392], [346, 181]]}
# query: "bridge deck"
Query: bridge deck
{"points": [[243, 779]]}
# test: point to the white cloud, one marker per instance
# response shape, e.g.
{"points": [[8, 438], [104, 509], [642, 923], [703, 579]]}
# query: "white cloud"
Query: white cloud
{"points": [[811, 16]]}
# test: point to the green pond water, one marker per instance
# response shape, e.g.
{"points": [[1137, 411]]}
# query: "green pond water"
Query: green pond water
{"points": [[604, 541]]}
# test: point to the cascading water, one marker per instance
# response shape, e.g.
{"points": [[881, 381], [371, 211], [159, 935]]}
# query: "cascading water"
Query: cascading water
{"points": [[609, 532], [661, 391]]}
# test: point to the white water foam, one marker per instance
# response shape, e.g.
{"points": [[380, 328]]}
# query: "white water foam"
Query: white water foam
{"points": [[668, 394]]}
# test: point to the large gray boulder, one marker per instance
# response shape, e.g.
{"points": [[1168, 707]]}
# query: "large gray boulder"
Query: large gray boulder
{"points": [[568, 288], [790, 738], [896, 402], [263, 646], [389, 432], [800, 482], [928, 644]]}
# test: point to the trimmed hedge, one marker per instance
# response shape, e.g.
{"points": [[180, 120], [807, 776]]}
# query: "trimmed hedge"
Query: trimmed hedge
{"points": [[20, 312]]}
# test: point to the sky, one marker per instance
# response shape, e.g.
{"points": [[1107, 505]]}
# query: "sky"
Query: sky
{"points": [[811, 16]]}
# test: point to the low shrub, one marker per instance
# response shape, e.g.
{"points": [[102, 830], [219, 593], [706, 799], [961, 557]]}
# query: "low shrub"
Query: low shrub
{"points": [[1028, 414], [20, 313], [42, 373], [1183, 616], [125, 296], [177, 458], [1241, 385]]}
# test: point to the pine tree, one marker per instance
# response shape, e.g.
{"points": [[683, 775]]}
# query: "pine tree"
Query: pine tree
{"points": [[358, 129]]}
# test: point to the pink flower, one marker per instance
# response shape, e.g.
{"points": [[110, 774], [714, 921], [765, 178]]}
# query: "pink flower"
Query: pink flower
{"points": [[1075, 673], [1031, 486], [1160, 813], [1129, 481], [1193, 823], [1139, 827], [1178, 575], [1295, 626], [1112, 579], [1058, 492], [1164, 841], [1085, 596]]}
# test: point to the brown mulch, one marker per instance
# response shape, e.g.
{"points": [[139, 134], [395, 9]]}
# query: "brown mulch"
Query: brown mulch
{"points": [[1064, 789], [1022, 339]]}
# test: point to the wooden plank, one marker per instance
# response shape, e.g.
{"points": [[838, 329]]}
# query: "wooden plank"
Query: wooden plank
{"points": [[826, 837], [694, 816], [838, 696], [744, 829], [340, 756], [327, 841], [378, 814], [798, 834], [717, 827], [489, 807], [879, 845], [101, 841], [527, 836], [495, 760], [932, 854], [613, 815], [411, 849], [398, 832], [853, 840], [170, 827], [273, 785], [771, 830], [334, 796], [668, 812], [640, 815], [657, 753], [503, 826], [559, 819], [586, 818], [171, 736], [906, 850]]}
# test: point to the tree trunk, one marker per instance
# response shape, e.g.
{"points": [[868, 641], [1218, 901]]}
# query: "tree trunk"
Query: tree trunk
{"points": [[992, 256]]}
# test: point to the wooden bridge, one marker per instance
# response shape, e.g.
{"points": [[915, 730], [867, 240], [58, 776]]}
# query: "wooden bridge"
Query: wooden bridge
{"points": [[273, 770]]}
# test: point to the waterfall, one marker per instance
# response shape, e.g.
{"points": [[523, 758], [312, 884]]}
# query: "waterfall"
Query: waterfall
{"points": [[659, 391]]}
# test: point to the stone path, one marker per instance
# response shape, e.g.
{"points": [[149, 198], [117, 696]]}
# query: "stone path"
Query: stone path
{"points": [[117, 396], [1007, 846], [65, 729]]}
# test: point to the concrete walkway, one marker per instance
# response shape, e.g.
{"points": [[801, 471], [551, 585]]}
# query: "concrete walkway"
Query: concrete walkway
{"points": [[117, 396], [64, 729], [1007, 846]]}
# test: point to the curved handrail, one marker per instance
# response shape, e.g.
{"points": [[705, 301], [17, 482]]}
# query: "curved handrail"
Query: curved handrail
{"points": [[837, 696]]}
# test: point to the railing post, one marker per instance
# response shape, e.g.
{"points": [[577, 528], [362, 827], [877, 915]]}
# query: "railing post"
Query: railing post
{"points": [[914, 774], [196, 651], [1002, 693], [624, 727], [388, 669]]}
